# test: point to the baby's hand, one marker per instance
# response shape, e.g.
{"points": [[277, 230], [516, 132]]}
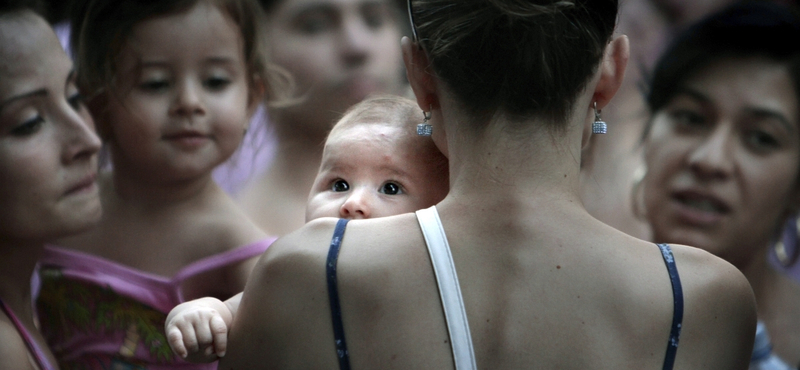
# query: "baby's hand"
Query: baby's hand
{"points": [[197, 330]]}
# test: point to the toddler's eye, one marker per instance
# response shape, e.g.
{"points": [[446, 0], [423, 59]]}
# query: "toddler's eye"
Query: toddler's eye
{"points": [[340, 185], [216, 83], [391, 188], [154, 85]]}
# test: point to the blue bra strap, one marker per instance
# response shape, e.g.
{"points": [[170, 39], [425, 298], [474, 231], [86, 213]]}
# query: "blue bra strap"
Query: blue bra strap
{"points": [[333, 295], [677, 312]]}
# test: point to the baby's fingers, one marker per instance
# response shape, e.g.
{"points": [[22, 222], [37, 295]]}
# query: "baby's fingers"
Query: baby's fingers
{"points": [[220, 332], [175, 340]]}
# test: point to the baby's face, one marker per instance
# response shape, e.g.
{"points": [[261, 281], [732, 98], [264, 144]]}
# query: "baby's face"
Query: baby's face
{"points": [[373, 170]]}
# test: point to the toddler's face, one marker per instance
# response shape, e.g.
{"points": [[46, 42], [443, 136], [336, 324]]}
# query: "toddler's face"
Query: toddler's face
{"points": [[373, 170], [183, 99]]}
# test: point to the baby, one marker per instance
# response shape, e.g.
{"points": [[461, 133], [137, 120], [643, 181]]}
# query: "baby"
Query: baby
{"points": [[373, 165]]}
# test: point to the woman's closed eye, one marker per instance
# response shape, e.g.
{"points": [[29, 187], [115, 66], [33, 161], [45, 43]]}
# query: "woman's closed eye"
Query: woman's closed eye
{"points": [[28, 127]]}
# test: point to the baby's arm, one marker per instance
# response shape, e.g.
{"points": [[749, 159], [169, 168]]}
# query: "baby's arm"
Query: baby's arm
{"points": [[198, 330]]}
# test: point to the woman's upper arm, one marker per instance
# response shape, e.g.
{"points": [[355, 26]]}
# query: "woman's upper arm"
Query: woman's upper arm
{"points": [[282, 315], [720, 320]]}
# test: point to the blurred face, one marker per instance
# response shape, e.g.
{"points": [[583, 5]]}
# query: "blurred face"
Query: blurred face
{"points": [[48, 148], [338, 51], [723, 159], [183, 102], [373, 170]]}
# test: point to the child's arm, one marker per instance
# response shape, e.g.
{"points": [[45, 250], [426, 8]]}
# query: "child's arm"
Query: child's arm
{"points": [[198, 330]]}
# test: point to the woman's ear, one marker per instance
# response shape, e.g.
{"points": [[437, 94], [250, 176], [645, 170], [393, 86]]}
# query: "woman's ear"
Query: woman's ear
{"points": [[418, 74], [612, 70]]}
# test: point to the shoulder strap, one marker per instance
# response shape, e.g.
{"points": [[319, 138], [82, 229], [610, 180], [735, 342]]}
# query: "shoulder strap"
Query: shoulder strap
{"points": [[333, 295], [449, 289], [677, 312], [223, 259]]}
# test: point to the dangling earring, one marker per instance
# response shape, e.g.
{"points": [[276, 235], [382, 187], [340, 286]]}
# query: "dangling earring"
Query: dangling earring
{"points": [[598, 126], [425, 129]]}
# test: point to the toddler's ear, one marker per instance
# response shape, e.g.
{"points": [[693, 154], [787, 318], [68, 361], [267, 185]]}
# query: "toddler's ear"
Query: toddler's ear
{"points": [[257, 94]]}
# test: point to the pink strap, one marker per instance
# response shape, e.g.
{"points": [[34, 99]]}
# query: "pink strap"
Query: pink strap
{"points": [[38, 354], [223, 259]]}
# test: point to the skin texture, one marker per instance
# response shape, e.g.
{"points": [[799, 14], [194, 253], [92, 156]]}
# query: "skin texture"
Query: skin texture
{"points": [[339, 52], [545, 284], [48, 158], [723, 158]]}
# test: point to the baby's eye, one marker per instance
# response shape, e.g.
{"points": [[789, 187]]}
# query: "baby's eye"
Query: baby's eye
{"points": [[216, 83], [391, 188], [28, 127], [340, 186]]}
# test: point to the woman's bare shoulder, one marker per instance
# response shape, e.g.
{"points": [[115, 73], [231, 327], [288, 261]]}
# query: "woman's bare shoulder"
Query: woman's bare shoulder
{"points": [[719, 311]]}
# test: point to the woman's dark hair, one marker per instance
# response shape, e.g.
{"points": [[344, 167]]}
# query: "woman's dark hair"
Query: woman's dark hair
{"points": [[13, 6], [745, 29], [520, 58]]}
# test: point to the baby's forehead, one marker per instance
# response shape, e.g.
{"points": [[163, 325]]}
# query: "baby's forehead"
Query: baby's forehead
{"points": [[385, 131]]}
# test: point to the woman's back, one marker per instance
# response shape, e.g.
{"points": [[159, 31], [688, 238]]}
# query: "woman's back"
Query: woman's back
{"points": [[540, 296]]}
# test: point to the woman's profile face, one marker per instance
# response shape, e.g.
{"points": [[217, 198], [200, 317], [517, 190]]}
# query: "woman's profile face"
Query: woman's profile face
{"points": [[48, 148], [723, 158], [338, 51]]}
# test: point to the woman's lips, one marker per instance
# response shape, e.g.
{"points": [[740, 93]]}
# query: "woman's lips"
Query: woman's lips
{"points": [[699, 208], [87, 185]]}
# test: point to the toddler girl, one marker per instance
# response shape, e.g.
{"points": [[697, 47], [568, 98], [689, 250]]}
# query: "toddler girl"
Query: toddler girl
{"points": [[172, 85], [373, 165]]}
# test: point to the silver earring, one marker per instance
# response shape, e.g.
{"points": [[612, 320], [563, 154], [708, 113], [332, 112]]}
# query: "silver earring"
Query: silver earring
{"points": [[598, 126], [425, 129]]}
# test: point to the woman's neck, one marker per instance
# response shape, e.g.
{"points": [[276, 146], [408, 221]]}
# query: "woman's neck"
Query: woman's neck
{"points": [[510, 165], [17, 263]]}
